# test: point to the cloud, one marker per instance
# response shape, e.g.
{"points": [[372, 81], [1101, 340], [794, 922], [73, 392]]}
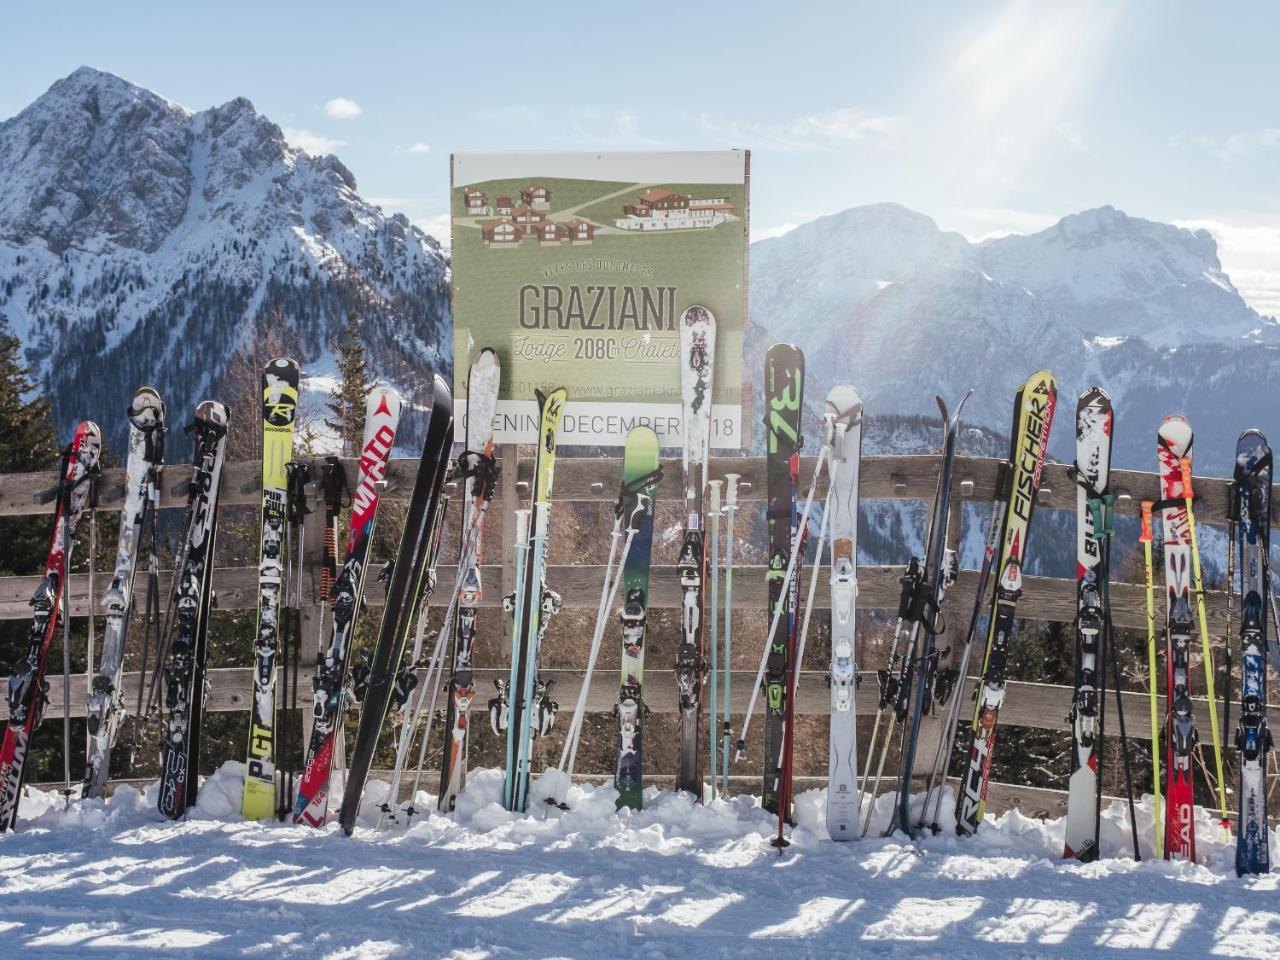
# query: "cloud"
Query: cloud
{"points": [[439, 226], [767, 233], [313, 143], [340, 108], [401, 201], [418, 147], [988, 223], [815, 131], [1243, 145], [1250, 255]]}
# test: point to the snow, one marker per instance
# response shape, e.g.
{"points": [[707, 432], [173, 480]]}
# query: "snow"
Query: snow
{"points": [[677, 879]]}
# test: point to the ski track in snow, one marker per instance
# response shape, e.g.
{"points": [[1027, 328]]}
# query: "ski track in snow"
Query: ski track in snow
{"points": [[112, 879]]}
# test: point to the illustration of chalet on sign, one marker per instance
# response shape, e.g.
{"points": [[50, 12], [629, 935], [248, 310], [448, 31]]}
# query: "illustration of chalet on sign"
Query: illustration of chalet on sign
{"points": [[501, 233], [536, 196], [476, 202], [550, 233], [580, 231], [502, 206], [661, 209], [527, 217]]}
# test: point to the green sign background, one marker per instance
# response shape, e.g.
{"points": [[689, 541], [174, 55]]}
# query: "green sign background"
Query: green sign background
{"points": [[600, 318]]}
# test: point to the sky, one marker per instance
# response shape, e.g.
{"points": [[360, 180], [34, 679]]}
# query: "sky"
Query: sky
{"points": [[990, 117]]}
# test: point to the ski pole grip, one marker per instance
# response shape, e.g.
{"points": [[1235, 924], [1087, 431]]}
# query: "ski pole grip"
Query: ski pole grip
{"points": [[1146, 536], [731, 490], [1184, 464], [715, 486]]}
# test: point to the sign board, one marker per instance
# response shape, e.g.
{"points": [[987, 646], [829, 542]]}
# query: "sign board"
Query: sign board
{"points": [[576, 268]]}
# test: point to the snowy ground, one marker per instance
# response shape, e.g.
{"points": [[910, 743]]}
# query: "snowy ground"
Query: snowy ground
{"points": [[676, 880]]}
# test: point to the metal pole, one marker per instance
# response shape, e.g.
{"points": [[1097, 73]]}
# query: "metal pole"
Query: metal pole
{"points": [[712, 739], [731, 510]]}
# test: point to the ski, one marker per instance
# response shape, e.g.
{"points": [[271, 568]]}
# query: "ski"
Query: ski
{"points": [[192, 598], [105, 708], [639, 469], [844, 409], [382, 418], [478, 467], [1251, 511], [1094, 422], [784, 397], [697, 362], [410, 573], [1029, 441], [1173, 444], [28, 689], [279, 403], [923, 610], [523, 708]]}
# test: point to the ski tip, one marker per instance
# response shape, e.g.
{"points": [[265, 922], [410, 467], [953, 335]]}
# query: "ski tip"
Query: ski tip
{"points": [[1095, 396], [844, 403], [696, 315], [1176, 434]]}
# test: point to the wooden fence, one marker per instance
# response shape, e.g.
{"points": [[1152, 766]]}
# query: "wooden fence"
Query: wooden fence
{"points": [[1040, 706]]}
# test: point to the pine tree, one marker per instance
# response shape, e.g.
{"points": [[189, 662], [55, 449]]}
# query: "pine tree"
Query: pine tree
{"points": [[28, 442], [346, 403]]}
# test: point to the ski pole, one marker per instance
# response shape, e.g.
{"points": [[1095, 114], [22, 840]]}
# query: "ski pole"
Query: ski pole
{"points": [[1109, 640], [65, 586], [1102, 509], [517, 609], [93, 592], [713, 740], [782, 607], [730, 510], [1145, 537], [1185, 464], [780, 842]]}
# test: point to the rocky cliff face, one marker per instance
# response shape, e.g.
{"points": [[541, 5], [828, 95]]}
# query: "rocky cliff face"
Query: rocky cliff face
{"points": [[143, 243]]}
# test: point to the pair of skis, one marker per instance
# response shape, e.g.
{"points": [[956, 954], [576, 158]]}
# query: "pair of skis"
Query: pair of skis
{"points": [[841, 451], [1095, 651], [283, 487], [523, 709], [697, 353], [478, 468], [105, 709], [28, 689], [913, 680], [410, 575], [330, 692], [1175, 835], [184, 642], [1251, 542], [640, 473]]}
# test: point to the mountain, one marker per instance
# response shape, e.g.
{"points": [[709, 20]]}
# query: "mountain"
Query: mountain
{"points": [[880, 297], [143, 243]]}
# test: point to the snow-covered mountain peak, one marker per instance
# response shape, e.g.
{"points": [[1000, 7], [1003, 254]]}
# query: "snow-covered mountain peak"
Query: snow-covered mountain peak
{"points": [[880, 297], [133, 228], [1111, 274]]}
